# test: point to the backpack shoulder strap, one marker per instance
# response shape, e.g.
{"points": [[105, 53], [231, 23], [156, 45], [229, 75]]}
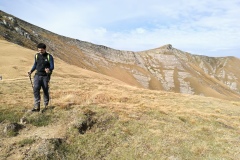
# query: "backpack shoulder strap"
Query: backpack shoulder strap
{"points": [[48, 56], [36, 56]]}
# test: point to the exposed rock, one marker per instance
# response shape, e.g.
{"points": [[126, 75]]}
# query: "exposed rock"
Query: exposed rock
{"points": [[11, 129], [23, 120]]}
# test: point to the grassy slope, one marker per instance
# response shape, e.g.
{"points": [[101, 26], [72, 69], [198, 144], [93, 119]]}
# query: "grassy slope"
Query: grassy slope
{"points": [[124, 122]]}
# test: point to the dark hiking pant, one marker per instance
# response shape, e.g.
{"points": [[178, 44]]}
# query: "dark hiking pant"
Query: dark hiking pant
{"points": [[40, 82]]}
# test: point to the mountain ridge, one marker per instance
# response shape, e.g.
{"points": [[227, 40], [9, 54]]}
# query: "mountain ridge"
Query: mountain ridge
{"points": [[94, 116], [163, 68]]}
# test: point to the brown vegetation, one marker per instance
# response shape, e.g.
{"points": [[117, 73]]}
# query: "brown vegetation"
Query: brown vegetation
{"points": [[92, 116]]}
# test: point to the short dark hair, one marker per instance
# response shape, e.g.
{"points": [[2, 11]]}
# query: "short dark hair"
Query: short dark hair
{"points": [[41, 45]]}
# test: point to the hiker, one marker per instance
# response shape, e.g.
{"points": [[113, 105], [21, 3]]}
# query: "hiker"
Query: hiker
{"points": [[44, 65]]}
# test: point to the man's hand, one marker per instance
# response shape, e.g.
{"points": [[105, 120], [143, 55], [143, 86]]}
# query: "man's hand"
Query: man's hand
{"points": [[29, 73], [47, 70]]}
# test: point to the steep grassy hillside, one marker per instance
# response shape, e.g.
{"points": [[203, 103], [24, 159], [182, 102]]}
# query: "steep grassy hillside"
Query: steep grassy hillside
{"points": [[164, 68], [92, 116]]}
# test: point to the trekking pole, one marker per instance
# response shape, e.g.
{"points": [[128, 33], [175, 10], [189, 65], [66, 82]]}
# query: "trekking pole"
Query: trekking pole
{"points": [[30, 79], [50, 100]]}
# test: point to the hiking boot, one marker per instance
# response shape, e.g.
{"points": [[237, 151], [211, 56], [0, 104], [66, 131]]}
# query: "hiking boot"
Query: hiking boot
{"points": [[35, 110]]}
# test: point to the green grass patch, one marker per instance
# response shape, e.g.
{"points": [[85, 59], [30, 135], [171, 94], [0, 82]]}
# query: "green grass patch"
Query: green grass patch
{"points": [[27, 141], [12, 133], [40, 120], [10, 115]]}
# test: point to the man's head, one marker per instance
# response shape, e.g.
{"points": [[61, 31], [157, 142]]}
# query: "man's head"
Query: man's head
{"points": [[41, 47]]}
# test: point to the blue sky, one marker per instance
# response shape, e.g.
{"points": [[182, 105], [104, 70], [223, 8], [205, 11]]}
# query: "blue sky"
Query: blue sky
{"points": [[206, 27]]}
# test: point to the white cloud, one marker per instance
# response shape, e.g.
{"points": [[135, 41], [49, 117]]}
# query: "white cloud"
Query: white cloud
{"points": [[139, 31], [100, 31]]}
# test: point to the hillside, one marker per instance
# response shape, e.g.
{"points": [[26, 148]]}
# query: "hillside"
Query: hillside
{"points": [[164, 68], [92, 116]]}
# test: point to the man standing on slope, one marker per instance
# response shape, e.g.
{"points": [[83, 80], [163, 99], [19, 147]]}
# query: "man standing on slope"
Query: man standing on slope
{"points": [[44, 65]]}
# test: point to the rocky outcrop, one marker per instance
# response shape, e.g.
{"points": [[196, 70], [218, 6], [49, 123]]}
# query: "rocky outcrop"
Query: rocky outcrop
{"points": [[11, 23]]}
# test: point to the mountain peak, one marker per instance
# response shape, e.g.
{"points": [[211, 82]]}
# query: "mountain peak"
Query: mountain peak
{"points": [[167, 46]]}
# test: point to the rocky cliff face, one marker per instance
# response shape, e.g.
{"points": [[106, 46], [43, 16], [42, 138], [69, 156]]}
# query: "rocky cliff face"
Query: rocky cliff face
{"points": [[163, 68]]}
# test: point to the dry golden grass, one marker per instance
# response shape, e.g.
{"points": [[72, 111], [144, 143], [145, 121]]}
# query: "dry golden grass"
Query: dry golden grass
{"points": [[128, 122]]}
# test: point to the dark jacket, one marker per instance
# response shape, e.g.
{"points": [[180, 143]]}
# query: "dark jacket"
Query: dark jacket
{"points": [[42, 61]]}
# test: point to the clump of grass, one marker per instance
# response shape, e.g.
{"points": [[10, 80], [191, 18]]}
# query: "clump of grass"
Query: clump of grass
{"points": [[12, 133], [40, 120], [10, 115], [27, 141], [183, 119]]}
